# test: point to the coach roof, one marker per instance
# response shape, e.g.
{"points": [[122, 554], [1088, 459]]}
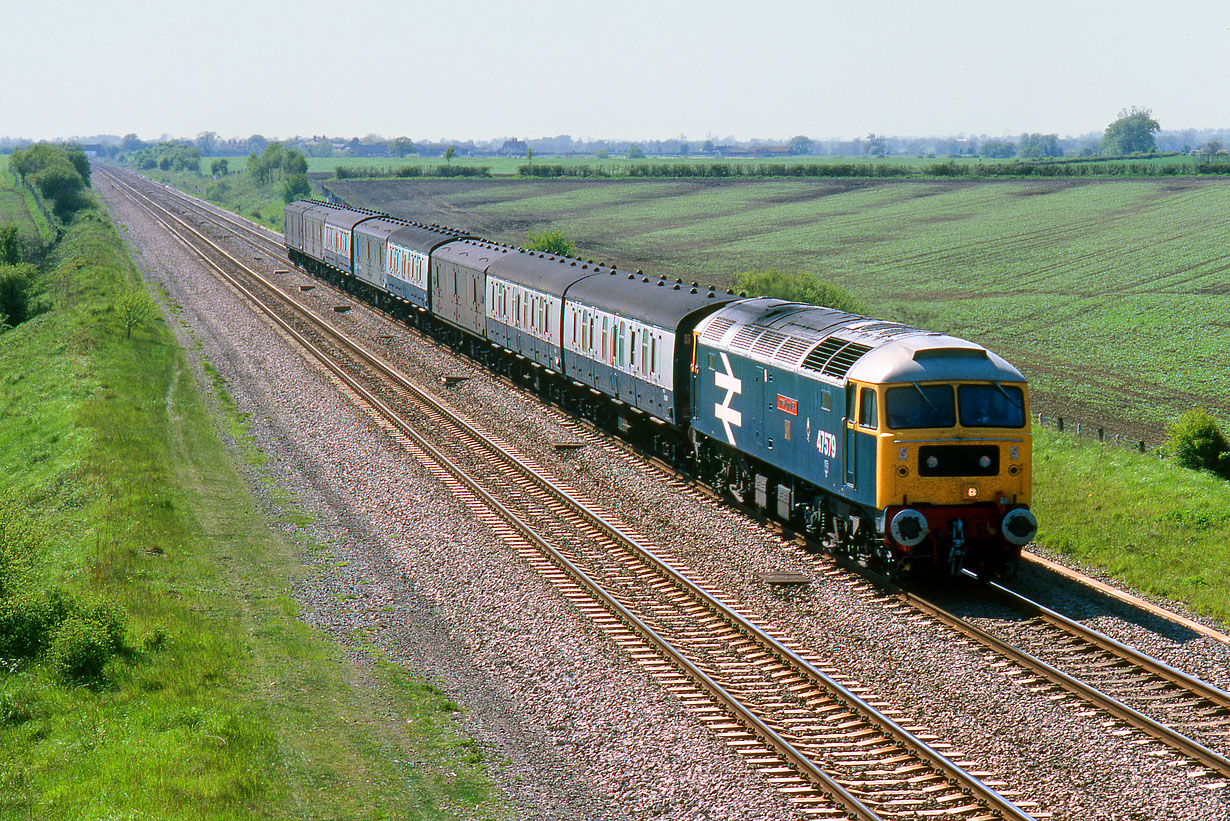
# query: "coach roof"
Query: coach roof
{"points": [[653, 300]]}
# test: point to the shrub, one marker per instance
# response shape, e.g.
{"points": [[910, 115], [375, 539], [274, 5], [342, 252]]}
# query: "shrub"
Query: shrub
{"points": [[1196, 441], [803, 287], [79, 650], [16, 291], [552, 242], [28, 621]]}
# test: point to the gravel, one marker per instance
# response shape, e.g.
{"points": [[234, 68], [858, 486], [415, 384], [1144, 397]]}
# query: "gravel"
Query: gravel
{"points": [[575, 728]]}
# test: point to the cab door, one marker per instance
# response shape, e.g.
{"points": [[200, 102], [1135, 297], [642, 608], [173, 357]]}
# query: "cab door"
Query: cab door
{"points": [[849, 453]]}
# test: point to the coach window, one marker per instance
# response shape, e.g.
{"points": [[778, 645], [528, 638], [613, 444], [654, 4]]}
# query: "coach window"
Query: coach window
{"points": [[867, 408]]}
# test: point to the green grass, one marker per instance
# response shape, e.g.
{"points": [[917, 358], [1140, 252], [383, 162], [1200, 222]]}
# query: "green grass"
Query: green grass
{"points": [[1110, 295], [17, 205], [225, 704], [236, 191], [1160, 528]]}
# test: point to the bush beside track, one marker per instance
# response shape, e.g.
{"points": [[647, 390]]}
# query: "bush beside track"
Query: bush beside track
{"points": [[195, 691]]}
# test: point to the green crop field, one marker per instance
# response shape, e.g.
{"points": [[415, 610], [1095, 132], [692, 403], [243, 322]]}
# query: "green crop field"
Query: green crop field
{"points": [[616, 164], [1111, 295]]}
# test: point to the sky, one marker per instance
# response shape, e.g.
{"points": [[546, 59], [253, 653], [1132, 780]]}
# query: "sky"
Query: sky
{"points": [[618, 69]]}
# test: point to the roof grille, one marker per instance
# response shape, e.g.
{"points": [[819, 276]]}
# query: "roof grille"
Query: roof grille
{"points": [[834, 357], [719, 326], [792, 349], [746, 336], [768, 342]]}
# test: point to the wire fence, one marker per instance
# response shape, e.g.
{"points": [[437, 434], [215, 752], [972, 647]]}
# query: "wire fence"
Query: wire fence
{"points": [[1086, 430]]}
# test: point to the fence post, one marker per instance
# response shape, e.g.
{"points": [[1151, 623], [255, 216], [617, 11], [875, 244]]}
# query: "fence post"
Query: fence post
{"points": [[1059, 423], [1102, 435]]}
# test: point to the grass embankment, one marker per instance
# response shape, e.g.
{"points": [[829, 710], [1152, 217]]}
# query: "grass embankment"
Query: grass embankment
{"points": [[1156, 526], [220, 702], [236, 191]]}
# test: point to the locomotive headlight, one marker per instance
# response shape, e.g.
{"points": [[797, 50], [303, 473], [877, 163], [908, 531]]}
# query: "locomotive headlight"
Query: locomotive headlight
{"points": [[908, 527], [933, 461], [971, 492], [1019, 526], [984, 462]]}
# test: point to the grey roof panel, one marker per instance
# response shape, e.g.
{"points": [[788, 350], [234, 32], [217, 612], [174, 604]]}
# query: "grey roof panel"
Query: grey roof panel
{"points": [[424, 238], [546, 273], [653, 300], [379, 227], [471, 253]]}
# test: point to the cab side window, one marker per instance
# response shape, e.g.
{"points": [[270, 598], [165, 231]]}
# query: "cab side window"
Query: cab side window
{"points": [[867, 408]]}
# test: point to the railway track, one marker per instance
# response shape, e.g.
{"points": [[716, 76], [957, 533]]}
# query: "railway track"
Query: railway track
{"points": [[833, 751], [1047, 651]]}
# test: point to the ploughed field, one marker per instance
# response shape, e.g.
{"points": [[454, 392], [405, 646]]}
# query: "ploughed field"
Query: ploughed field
{"points": [[1112, 296]]}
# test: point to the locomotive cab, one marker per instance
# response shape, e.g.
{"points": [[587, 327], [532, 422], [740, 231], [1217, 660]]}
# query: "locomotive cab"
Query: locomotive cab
{"points": [[953, 469], [893, 445]]}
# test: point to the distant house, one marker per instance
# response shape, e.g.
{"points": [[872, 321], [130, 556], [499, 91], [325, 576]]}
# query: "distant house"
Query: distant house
{"points": [[771, 151], [512, 148]]}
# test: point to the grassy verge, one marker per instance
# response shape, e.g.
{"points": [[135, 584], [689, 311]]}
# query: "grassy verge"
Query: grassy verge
{"points": [[1158, 527], [17, 206], [236, 191], [218, 702]]}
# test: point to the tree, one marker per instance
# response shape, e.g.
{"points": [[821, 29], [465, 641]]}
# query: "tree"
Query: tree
{"points": [[206, 142], [998, 149], [132, 309], [551, 241], [1132, 133], [296, 187], [800, 145], [635, 152], [402, 146], [257, 143], [449, 153], [1210, 150], [876, 145], [529, 155], [684, 148], [293, 162], [1033, 146], [707, 147], [219, 167], [131, 142]]}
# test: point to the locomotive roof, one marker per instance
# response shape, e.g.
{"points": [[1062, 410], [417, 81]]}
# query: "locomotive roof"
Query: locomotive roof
{"points": [[834, 346], [472, 253], [653, 300], [543, 272]]}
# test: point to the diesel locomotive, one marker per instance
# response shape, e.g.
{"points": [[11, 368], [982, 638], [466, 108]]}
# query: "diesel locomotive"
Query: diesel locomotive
{"points": [[900, 447]]}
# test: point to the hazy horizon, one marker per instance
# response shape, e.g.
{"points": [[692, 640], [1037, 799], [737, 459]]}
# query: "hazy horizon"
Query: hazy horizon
{"points": [[827, 70]]}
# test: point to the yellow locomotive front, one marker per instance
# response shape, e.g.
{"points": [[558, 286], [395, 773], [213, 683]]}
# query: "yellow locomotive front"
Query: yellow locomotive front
{"points": [[954, 471]]}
